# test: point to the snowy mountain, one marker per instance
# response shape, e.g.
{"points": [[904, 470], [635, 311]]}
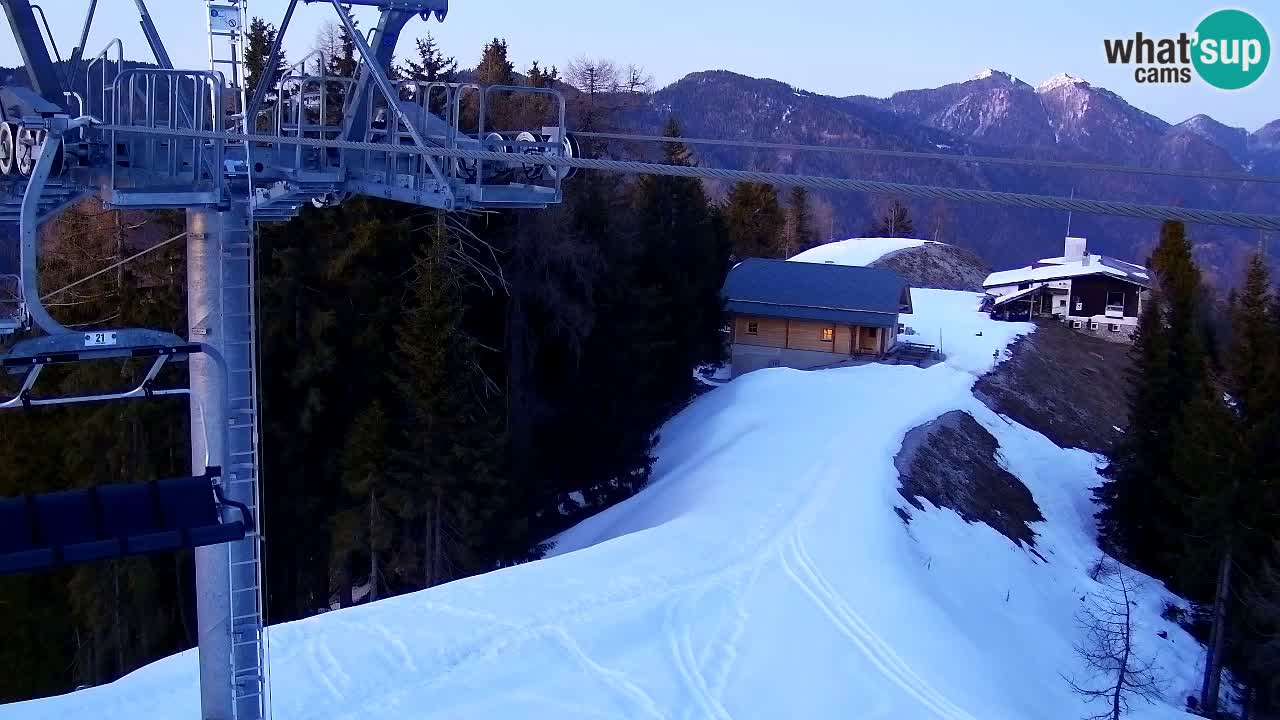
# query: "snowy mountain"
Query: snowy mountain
{"points": [[780, 564], [1264, 149], [1232, 139], [1097, 120], [992, 107]]}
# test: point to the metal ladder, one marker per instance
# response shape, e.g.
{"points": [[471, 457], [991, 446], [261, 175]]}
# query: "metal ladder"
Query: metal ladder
{"points": [[238, 339], [239, 343]]}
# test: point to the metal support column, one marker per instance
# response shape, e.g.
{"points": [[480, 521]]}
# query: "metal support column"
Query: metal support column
{"points": [[35, 55], [220, 306]]}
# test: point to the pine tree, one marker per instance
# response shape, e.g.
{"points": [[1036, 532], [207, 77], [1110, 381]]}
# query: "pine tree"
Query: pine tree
{"points": [[495, 68], [261, 36], [755, 220], [684, 258], [431, 64], [451, 464], [343, 60], [373, 506], [896, 222], [799, 234], [1140, 511]]}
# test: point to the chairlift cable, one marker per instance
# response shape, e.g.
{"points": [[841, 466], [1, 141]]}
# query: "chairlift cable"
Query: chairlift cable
{"points": [[1259, 221], [113, 266], [946, 157]]}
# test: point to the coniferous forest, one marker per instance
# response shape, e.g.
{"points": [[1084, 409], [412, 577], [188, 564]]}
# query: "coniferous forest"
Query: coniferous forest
{"points": [[440, 393], [1192, 494]]}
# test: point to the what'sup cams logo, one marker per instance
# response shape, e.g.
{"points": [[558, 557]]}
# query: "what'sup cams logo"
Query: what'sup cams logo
{"points": [[1229, 49]]}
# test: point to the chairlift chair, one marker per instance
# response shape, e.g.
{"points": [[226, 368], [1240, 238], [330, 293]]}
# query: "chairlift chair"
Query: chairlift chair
{"points": [[39, 532]]}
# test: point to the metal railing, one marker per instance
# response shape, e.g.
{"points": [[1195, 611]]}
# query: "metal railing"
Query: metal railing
{"points": [[171, 100]]}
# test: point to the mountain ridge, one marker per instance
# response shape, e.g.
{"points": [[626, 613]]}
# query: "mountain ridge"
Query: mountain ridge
{"points": [[993, 113]]}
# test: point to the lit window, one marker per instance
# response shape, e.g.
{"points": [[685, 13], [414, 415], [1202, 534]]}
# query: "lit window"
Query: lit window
{"points": [[828, 335], [753, 328]]}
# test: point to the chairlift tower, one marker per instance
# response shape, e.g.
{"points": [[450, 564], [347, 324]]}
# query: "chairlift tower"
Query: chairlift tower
{"points": [[166, 138]]}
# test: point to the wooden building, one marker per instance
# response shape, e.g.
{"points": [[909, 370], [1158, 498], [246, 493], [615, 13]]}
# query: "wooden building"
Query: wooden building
{"points": [[810, 315]]}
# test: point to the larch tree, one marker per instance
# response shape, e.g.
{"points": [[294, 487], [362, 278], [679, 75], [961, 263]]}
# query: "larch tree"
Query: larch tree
{"points": [[894, 222], [1117, 670]]}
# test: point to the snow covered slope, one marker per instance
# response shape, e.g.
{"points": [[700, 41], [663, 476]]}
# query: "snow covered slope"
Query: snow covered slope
{"points": [[763, 574], [857, 251]]}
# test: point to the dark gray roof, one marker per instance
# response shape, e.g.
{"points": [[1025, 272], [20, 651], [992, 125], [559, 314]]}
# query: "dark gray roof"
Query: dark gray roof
{"points": [[817, 291]]}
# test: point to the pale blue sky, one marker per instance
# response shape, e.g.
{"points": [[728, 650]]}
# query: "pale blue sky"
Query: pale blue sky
{"points": [[836, 47]]}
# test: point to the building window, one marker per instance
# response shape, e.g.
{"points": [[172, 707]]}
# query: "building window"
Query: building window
{"points": [[872, 332], [1076, 324], [753, 328], [1062, 302], [1115, 328], [828, 335], [1115, 301], [1093, 326]]}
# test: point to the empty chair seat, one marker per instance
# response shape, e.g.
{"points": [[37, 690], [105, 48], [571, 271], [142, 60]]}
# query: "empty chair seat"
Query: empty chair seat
{"points": [[187, 504], [132, 514], [18, 551], [69, 523]]}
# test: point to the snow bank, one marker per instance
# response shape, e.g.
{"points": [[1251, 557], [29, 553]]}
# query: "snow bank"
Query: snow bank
{"points": [[763, 574], [970, 340], [857, 251]]}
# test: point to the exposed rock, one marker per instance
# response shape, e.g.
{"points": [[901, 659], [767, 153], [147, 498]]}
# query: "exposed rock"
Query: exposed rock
{"points": [[1066, 385], [952, 462], [937, 265]]}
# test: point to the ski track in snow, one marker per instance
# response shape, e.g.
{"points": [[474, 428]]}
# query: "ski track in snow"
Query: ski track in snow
{"points": [[633, 694], [680, 641], [799, 567]]}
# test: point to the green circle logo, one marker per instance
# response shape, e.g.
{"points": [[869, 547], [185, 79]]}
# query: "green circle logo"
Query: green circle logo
{"points": [[1232, 49]]}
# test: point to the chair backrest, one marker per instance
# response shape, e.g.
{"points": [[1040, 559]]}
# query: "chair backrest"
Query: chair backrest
{"points": [[187, 503], [129, 510], [76, 526], [15, 526], [67, 517]]}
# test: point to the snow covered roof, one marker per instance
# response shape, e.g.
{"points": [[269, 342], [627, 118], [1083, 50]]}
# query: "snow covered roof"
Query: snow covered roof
{"points": [[857, 251], [811, 291], [1020, 295], [1060, 268]]}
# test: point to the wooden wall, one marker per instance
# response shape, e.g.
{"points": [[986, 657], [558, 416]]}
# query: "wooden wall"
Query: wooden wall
{"points": [[807, 335], [771, 332]]}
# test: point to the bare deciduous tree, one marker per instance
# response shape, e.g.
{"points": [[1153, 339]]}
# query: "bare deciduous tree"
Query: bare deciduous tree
{"points": [[637, 80], [1117, 672], [593, 75]]}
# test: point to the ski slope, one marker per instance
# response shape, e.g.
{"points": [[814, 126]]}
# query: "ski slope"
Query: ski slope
{"points": [[857, 251], [762, 575]]}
